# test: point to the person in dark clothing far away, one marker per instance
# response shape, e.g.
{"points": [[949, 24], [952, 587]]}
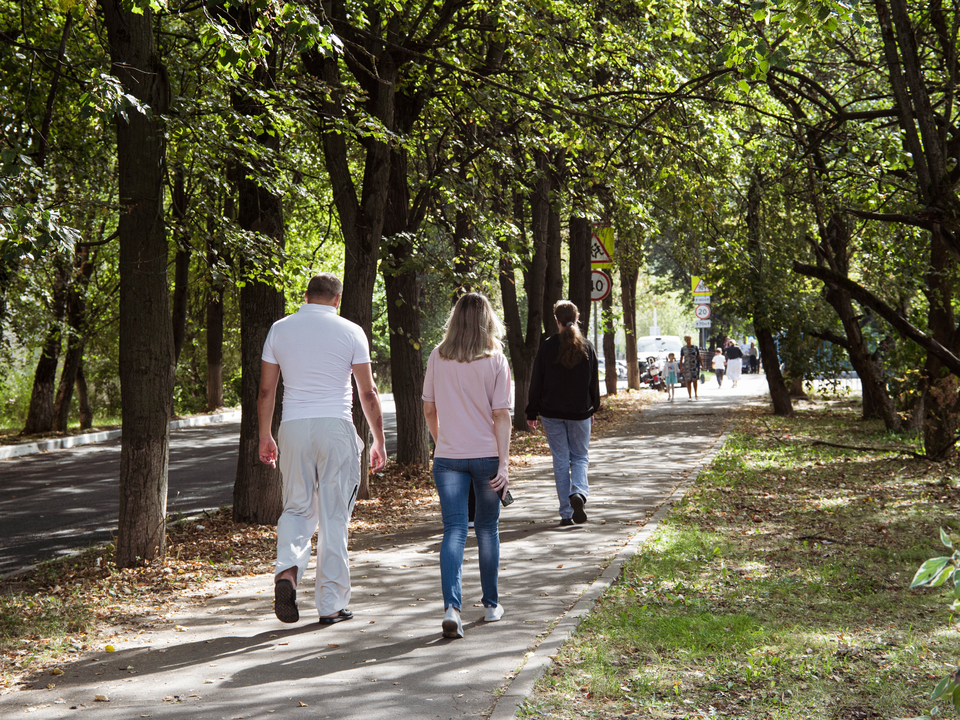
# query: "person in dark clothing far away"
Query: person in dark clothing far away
{"points": [[565, 393]]}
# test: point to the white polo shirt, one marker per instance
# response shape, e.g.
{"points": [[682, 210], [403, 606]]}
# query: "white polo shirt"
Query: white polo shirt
{"points": [[316, 349]]}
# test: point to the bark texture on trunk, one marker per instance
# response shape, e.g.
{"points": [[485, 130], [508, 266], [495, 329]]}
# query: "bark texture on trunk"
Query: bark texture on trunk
{"points": [[40, 415], [553, 282], [579, 278], [361, 210], [214, 323], [524, 346], [779, 394], [403, 314], [76, 308], [609, 345], [84, 411], [942, 400], [181, 273], [257, 491], [146, 337], [629, 273]]}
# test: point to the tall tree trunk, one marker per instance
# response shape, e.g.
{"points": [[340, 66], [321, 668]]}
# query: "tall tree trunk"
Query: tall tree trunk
{"points": [[553, 283], [42, 398], [403, 315], [257, 491], [84, 411], [214, 319], [76, 308], [579, 279], [609, 344], [524, 346], [146, 337], [629, 274], [941, 419], [181, 276], [362, 212], [779, 394]]}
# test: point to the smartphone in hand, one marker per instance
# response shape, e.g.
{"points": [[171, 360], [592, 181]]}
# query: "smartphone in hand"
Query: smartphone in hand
{"points": [[505, 497]]}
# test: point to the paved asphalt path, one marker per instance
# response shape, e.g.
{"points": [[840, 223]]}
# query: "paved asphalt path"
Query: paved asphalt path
{"points": [[221, 653], [60, 501]]}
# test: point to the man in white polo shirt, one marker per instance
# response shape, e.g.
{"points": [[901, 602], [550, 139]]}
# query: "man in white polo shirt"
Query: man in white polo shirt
{"points": [[319, 450]]}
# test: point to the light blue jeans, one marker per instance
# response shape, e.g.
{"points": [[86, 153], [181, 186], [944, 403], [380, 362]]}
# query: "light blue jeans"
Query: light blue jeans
{"points": [[569, 444], [453, 479]]}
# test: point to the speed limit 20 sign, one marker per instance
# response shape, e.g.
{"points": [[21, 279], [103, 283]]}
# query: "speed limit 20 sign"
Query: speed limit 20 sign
{"points": [[702, 311], [599, 285]]}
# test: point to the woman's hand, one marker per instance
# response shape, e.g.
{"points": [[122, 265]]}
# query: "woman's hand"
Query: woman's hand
{"points": [[532, 424], [500, 481]]}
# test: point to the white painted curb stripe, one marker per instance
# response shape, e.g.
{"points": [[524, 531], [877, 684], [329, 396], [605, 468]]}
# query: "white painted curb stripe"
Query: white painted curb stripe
{"points": [[12, 451]]}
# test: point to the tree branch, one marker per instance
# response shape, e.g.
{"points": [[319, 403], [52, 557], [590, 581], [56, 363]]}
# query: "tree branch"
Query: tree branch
{"points": [[868, 299]]}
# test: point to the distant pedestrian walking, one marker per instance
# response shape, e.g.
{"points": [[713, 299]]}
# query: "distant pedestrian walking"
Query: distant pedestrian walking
{"points": [[719, 361], [690, 366], [319, 450], [734, 356], [466, 400], [672, 369], [565, 393], [753, 355]]}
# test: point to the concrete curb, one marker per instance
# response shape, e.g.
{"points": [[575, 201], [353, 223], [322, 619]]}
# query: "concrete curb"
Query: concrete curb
{"points": [[540, 659], [12, 451]]}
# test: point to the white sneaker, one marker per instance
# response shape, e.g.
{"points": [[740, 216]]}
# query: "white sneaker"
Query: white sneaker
{"points": [[493, 614], [452, 627]]}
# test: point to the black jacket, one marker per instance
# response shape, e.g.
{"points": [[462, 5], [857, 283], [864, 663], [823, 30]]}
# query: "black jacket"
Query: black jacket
{"points": [[560, 392]]}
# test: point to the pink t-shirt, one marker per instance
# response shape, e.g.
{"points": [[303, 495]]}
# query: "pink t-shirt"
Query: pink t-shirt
{"points": [[466, 394]]}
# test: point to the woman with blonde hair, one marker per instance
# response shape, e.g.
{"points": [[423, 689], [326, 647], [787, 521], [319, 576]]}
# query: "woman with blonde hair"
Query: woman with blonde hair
{"points": [[565, 393], [466, 400]]}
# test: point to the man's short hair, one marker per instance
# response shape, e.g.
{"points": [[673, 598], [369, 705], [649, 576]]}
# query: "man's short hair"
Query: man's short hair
{"points": [[324, 286]]}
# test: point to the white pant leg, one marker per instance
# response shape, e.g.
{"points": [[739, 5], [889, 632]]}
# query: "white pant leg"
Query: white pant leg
{"points": [[298, 523], [338, 482]]}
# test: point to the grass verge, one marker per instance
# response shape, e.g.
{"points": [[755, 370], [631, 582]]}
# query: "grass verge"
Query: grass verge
{"points": [[777, 589]]}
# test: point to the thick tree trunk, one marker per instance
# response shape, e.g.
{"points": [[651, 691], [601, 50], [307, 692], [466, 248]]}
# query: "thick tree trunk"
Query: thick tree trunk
{"points": [[629, 273], [361, 213], [553, 283], [771, 367], [76, 308], [146, 337], [84, 411], [524, 346], [579, 279], [941, 419], [403, 315], [214, 323], [257, 491], [609, 344], [181, 275], [40, 415]]}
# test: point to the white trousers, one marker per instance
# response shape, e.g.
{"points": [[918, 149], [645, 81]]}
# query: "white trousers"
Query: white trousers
{"points": [[734, 367], [320, 468]]}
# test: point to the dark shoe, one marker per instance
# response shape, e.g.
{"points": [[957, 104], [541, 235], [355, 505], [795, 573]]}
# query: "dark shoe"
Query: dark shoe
{"points": [[577, 501], [566, 521], [285, 601], [339, 617]]}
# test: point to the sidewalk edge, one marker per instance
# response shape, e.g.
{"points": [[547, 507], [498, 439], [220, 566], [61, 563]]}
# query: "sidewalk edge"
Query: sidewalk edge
{"points": [[13, 451], [537, 662]]}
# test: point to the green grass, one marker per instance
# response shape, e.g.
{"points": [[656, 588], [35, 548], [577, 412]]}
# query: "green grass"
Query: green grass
{"points": [[777, 589]]}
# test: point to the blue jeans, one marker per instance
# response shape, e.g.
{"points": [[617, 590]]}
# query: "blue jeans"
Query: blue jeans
{"points": [[569, 444], [453, 479]]}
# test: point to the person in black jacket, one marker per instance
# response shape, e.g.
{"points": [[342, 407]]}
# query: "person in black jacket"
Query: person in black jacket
{"points": [[565, 393]]}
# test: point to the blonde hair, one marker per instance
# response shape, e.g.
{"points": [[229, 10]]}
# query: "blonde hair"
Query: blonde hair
{"points": [[472, 331]]}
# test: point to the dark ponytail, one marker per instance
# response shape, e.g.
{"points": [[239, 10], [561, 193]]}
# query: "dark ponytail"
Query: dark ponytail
{"points": [[573, 348]]}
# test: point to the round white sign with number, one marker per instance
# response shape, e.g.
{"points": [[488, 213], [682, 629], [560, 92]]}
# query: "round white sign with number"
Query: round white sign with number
{"points": [[702, 311], [599, 285]]}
